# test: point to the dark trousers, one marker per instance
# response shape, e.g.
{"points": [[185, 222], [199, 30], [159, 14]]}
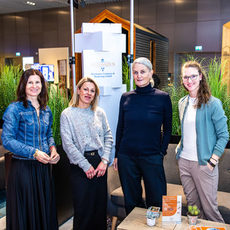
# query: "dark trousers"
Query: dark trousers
{"points": [[89, 198], [149, 168]]}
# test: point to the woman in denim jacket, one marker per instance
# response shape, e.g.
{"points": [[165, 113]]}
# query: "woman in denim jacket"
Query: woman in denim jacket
{"points": [[27, 134], [204, 135]]}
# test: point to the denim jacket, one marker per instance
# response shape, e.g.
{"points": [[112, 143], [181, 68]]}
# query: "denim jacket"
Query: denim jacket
{"points": [[24, 132]]}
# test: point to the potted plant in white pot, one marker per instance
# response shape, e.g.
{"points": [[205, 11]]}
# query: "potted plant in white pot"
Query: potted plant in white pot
{"points": [[193, 213]]}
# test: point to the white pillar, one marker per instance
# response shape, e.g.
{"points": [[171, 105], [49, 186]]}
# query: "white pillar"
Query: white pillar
{"points": [[73, 42], [131, 41]]}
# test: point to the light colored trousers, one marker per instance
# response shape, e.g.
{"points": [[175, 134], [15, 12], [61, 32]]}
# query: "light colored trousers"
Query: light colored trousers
{"points": [[200, 187]]}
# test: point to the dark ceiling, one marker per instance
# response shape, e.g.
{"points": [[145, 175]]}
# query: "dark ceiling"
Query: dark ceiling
{"points": [[14, 6]]}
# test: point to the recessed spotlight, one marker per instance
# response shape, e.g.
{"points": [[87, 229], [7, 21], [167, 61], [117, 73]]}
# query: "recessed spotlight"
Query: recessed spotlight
{"points": [[30, 3], [179, 1]]}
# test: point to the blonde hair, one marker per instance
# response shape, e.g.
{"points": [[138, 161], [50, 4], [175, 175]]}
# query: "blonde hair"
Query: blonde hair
{"points": [[75, 99]]}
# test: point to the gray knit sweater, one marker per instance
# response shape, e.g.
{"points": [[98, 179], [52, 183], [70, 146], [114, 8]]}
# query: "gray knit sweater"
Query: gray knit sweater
{"points": [[84, 130]]}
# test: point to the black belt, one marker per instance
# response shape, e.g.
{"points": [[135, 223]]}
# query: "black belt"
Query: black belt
{"points": [[90, 153]]}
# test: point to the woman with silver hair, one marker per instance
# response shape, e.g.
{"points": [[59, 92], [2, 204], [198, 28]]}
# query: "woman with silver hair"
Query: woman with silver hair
{"points": [[143, 133]]}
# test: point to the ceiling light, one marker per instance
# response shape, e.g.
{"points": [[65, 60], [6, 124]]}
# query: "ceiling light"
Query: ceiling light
{"points": [[30, 3]]}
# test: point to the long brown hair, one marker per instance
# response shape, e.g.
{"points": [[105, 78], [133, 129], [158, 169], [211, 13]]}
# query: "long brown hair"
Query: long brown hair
{"points": [[203, 94], [21, 90], [75, 99]]}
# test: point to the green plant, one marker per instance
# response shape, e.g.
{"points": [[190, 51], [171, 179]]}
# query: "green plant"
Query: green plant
{"points": [[126, 74], [9, 78], [193, 210], [176, 93], [217, 86], [57, 103]]}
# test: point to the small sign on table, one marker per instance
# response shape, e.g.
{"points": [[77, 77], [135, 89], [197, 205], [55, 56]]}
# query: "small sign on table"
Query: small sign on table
{"points": [[171, 208]]}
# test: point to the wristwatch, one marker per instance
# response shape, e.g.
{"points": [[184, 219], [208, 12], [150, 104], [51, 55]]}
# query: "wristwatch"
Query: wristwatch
{"points": [[104, 161], [212, 164]]}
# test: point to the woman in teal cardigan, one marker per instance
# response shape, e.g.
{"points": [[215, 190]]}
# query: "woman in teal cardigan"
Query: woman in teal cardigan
{"points": [[204, 137]]}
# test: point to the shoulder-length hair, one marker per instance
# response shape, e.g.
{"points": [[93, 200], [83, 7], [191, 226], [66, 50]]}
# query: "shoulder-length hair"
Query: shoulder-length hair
{"points": [[21, 90], [203, 94], [75, 99]]}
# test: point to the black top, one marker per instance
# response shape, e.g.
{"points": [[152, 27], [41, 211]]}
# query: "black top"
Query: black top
{"points": [[141, 116]]}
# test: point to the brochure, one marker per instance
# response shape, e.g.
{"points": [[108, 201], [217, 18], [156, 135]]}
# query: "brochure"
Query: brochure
{"points": [[206, 228], [171, 208]]}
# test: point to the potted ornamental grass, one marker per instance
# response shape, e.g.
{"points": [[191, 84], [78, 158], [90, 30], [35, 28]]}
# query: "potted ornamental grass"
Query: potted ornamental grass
{"points": [[192, 214], [9, 78], [218, 89]]}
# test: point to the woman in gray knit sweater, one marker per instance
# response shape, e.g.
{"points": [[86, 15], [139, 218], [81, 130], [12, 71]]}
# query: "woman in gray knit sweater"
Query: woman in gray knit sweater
{"points": [[87, 141]]}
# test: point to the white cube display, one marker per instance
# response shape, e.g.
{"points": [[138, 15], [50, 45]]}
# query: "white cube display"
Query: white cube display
{"points": [[102, 45], [100, 41], [106, 27]]}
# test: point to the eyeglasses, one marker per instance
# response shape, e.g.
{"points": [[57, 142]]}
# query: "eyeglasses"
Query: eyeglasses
{"points": [[192, 78]]}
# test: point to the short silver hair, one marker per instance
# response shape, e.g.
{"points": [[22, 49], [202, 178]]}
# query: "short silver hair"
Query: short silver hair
{"points": [[144, 61]]}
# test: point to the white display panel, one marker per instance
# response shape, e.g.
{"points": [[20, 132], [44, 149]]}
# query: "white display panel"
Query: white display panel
{"points": [[104, 67]]}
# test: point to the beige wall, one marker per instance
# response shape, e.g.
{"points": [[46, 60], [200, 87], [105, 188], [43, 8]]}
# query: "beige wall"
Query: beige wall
{"points": [[226, 54], [51, 56]]}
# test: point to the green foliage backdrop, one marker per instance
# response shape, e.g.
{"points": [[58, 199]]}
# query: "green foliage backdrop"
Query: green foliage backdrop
{"points": [[57, 103], [9, 78], [217, 86]]}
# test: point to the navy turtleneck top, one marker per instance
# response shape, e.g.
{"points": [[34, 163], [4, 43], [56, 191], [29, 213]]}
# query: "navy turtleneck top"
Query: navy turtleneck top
{"points": [[145, 122]]}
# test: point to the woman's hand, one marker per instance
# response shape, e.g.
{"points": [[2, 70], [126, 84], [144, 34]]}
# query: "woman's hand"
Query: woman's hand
{"points": [[210, 167], [54, 156], [214, 159], [42, 157], [90, 173], [101, 169], [115, 166]]}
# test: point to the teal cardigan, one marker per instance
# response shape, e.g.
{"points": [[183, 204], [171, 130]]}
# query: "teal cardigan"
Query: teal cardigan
{"points": [[211, 129]]}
